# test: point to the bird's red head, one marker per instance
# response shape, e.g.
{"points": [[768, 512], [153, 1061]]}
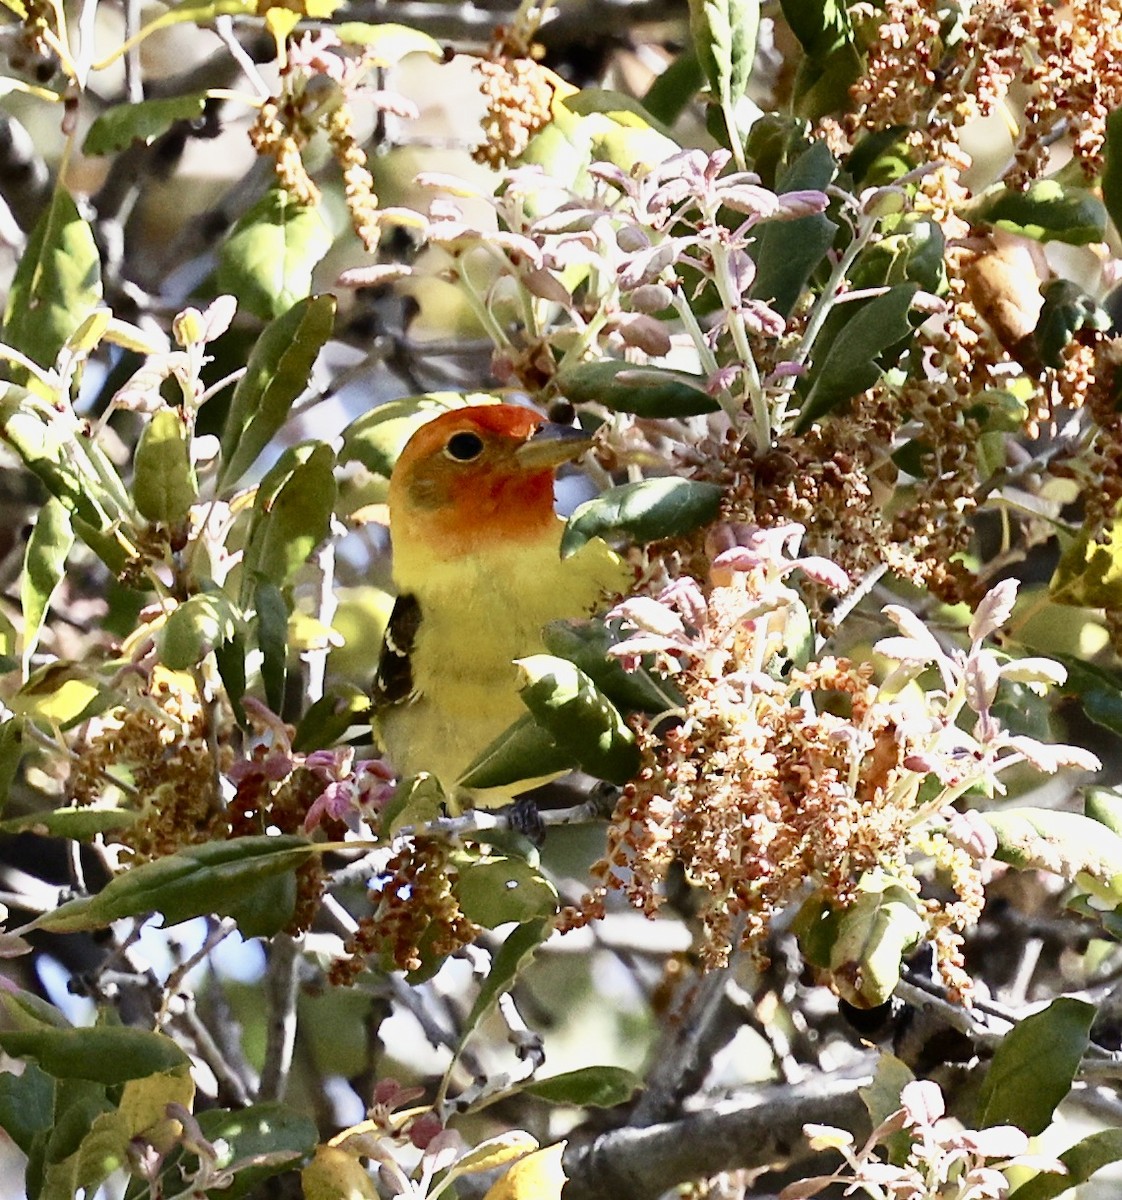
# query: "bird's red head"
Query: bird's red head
{"points": [[477, 475]]}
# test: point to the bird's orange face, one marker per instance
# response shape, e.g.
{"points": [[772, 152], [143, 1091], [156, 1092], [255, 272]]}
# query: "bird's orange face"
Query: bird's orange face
{"points": [[479, 474]]}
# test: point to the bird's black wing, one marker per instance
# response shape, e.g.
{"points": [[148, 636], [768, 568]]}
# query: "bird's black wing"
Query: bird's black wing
{"points": [[393, 683]]}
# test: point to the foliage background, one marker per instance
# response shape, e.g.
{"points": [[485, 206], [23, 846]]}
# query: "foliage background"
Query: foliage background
{"points": [[196, 576]]}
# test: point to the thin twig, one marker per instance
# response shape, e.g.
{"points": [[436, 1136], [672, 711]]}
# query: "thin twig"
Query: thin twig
{"points": [[282, 991]]}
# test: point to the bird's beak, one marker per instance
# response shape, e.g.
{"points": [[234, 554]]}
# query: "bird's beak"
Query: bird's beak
{"points": [[551, 445]]}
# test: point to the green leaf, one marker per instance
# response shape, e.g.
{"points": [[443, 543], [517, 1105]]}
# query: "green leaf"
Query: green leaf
{"points": [[1089, 573], [506, 966], [415, 801], [195, 628], [120, 125], [1066, 310], [330, 717], [54, 448], [62, 693], [912, 253], [11, 754], [102, 1053], [278, 371], [1033, 1067], [386, 45], [724, 36], [272, 640], [266, 908], [1046, 212], [595, 1087], [268, 257], [1070, 845], [882, 1098], [44, 565], [108, 1142], [1105, 806], [787, 252], [377, 437], [671, 92], [1112, 168], [833, 62], [56, 285], [229, 658], [586, 643], [1082, 1160], [845, 359], [261, 1131], [522, 751], [1097, 690], [875, 933], [291, 514], [495, 890], [213, 878], [565, 702], [80, 824], [648, 510], [26, 1104], [164, 481], [645, 391]]}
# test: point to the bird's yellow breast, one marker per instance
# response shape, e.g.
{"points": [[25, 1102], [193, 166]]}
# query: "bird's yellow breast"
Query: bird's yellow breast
{"points": [[477, 614]]}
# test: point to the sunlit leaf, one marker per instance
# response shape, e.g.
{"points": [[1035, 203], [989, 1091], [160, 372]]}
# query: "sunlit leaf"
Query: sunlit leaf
{"points": [[495, 890], [140, 121], [196, 627], [565, 702], [56, 285], [1082, 1160], [279, 368], [645, 391], [103, 1053], [874, 935], [164, 481], [336, 1174], [597, 1087], [648, 510], [216, 877], [1046, 211], [44, 564], [81, 823], [1068, 844], [538, 1176], [268, 257]]}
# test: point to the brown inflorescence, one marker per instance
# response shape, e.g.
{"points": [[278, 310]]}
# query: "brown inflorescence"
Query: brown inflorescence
{"points": [[416, 917], [158, 746], [519, 95], [358, 183]]}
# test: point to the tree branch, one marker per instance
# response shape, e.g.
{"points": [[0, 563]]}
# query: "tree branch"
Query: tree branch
{"points": [[757, 1131]]}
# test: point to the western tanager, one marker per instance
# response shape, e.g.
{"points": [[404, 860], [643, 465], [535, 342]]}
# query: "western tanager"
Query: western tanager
{"points": [[478, 570]]}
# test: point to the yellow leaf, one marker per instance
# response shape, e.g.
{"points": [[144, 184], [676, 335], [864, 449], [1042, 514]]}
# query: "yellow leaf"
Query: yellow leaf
{"points": [[538, 1176], [336, 1175]]}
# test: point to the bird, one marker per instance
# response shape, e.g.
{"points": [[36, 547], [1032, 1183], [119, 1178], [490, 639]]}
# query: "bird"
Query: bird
{"points": [[478, 572]]}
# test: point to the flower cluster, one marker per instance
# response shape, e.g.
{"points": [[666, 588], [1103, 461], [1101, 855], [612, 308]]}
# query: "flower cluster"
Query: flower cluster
{"points": [[645, 245], [786, 776], [319, 81], [417, 915], [943, 1160], [152, 755]]}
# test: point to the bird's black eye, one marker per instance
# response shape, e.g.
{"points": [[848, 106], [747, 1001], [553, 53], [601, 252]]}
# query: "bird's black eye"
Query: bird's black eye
{"points": [[463, 447]]}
